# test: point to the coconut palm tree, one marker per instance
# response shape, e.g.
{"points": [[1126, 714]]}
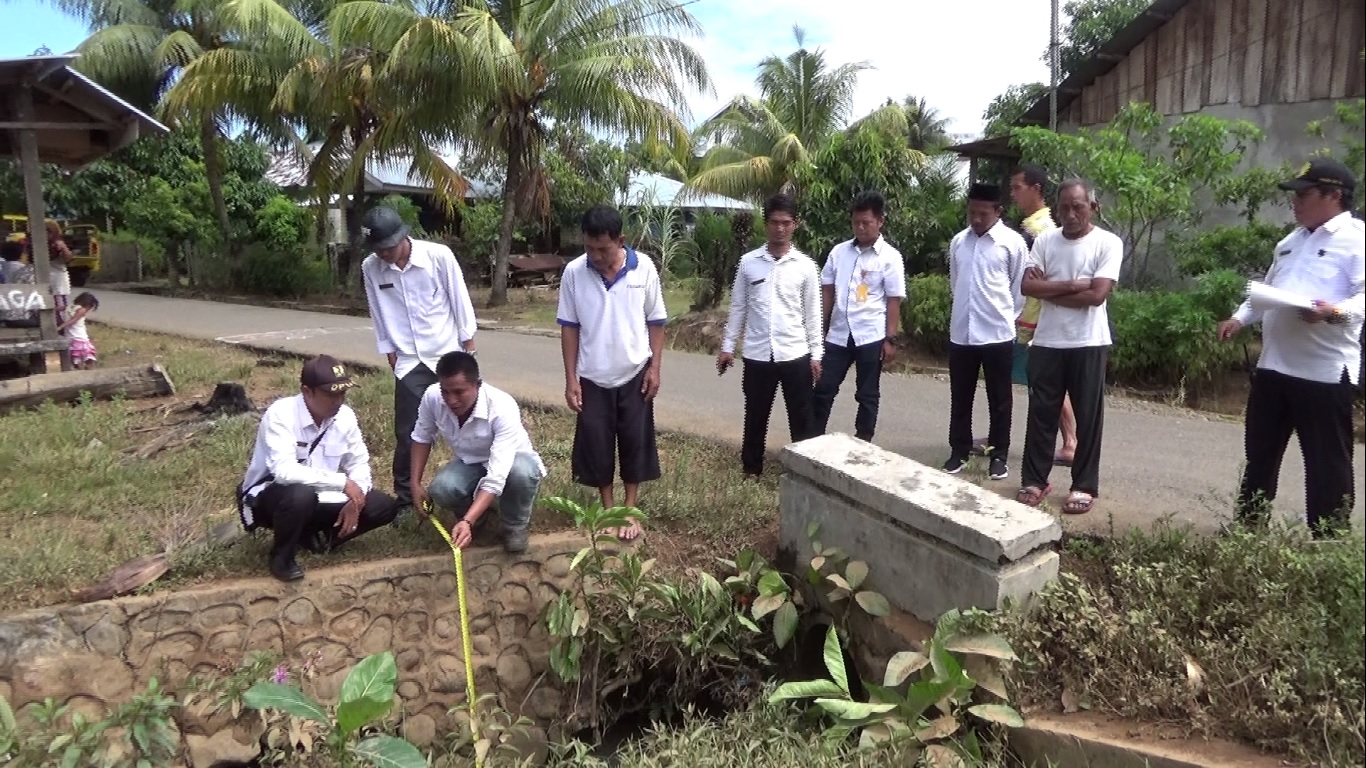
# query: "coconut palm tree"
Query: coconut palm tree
{"points": [[137, 48], [802, 102], [613, 66], [924, 130]]}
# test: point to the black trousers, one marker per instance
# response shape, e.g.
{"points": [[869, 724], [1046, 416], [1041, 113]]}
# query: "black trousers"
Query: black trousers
{"points": [[294, 513], [615, 420], [1320, 415], [994, 362], [1053, 374], [760, 380], [867, 363], [407, 397]]}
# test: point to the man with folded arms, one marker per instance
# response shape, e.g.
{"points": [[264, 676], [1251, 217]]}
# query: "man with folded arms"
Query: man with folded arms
{"points": [[494, 463], [309, 474], [1311, 358]]}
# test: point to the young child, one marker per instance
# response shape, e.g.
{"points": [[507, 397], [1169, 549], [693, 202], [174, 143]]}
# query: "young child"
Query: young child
{"points": [[82, 350]]}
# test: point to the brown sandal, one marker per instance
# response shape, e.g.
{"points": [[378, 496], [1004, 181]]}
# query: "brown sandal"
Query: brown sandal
{"points": [[1033, 495]]}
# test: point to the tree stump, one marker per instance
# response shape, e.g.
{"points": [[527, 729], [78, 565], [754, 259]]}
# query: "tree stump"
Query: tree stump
{"points": [[228, 398]]}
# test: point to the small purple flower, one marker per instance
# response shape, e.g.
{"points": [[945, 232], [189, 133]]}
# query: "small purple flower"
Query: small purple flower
{"points": [[280, 675]]}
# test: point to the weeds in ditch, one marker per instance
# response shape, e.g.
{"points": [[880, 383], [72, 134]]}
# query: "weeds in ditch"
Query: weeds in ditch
{"points": [[138, 733], [1254, 635]]}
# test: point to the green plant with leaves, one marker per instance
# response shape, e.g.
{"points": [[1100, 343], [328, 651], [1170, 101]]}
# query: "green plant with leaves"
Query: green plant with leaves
{"points": [[1244, 248], [1343, 133], [138, 733], [715, 257], [1007, 107], [621, 629], [928, 709], [1150, 177], [658, 231], [926, 310], [497, 742], [367, 696], [223, 691]]}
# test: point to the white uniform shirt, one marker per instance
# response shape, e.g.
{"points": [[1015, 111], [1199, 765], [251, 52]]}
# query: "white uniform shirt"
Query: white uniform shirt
{"points": [[863, 279], [422, 311], [1099, 253], [493, 434], [778, 303], [613, 316], [1326, 264], [984, 277], [282, 447]]}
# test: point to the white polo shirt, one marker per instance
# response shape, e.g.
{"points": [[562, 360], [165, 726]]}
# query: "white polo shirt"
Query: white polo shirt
{"points": [[1099, 253], [1328, 264], [613, 316], [493, 434], [288, 447], [422, 311], [777, 301], [984, 278], [863, 279]]}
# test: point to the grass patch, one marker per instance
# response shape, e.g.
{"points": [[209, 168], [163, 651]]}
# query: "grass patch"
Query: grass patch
{"points": [[72, 509], [1274, 625]]}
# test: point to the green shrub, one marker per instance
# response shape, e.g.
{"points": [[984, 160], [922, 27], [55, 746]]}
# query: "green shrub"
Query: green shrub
{"points": [[408, 211], [714, 248], [282, 224], [1167, 339], [287, 273], [1251, 635], [1219, 292], [1245, 249], [152, 253], [926, 311]]}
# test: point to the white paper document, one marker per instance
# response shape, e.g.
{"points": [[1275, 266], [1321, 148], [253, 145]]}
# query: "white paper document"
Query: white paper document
{"points": [[332, 497], [1264, 297]]}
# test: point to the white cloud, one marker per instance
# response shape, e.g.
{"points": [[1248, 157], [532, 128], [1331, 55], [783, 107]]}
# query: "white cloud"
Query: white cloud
{"points": [[958, 56]]}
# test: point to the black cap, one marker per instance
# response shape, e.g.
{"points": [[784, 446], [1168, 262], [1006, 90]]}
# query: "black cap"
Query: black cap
{"points": [[1322, 172], [382, 228], [988, 192], [326, 373]]}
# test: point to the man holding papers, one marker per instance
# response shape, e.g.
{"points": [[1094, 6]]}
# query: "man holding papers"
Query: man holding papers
{"points": [[1311, 351]]}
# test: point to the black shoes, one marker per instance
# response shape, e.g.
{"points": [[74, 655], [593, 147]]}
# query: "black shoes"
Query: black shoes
{"points": [[998, 469], [955, 464], [286, 569]]}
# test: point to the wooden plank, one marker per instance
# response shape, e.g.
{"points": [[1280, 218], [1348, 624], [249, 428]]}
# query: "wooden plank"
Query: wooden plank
{"points": [[1254, 52], [1209, 19], [1237, 44], [1220, 18], [1194, 57], [28, 298], [1292, 82], [101, 383], [1355, 82], [1150, 72], [22, 101], [1274, 36], [1124, 76], [1320, 43], [1165, 103]]}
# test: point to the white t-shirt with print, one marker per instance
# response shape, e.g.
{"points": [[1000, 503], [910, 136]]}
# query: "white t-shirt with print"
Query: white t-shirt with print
{"points": [[1097, 254]]}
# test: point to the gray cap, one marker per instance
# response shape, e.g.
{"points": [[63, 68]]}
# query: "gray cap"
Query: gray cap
{"points": [[382, 228]]}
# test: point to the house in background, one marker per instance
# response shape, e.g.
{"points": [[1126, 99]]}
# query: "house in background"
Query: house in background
{"points": [[1278, 64]]}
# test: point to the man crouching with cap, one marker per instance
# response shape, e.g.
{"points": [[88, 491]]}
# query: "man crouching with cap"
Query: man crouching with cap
{"points": [[309, 476], [493, 463]]}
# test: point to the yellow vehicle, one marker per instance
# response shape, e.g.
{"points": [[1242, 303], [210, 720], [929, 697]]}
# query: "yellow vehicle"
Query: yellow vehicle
{"points": [[82, 239]]}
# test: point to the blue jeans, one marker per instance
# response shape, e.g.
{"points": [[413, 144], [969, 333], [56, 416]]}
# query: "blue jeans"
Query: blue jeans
{"points": [[866, 361], [455, 484]]}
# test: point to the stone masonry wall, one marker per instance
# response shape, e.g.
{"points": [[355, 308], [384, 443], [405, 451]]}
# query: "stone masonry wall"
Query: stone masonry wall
{"points": [[98, 654]]}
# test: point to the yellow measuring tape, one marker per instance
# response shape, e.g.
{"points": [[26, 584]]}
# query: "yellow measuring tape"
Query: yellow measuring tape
{"points": [[464, 626]]}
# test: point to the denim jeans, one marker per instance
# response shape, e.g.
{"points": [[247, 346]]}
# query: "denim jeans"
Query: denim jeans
{"points": [[455, 484], [866, 361]]}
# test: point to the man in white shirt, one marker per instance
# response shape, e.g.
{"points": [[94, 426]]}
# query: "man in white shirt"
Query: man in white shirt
{"points": [[1072, 269], [421, 310], [612, 315], [309, 474], [986, 264], [1311, 358], [862, 285], [493, 463], [776, 302]]}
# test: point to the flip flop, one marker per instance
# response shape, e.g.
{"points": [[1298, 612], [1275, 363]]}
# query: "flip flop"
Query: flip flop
{"points": [[1078, 503], [1032, 495], [1061, 461]]}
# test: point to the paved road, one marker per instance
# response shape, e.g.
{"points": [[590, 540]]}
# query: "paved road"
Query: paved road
{"points": [[1158, 461]]}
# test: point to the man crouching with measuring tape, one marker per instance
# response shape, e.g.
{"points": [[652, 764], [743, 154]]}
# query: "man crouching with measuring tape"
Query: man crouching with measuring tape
{"points": [[494, 462], [309, 476]]}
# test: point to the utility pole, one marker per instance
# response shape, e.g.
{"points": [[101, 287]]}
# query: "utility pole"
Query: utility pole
{"points": [[1053, 69]]}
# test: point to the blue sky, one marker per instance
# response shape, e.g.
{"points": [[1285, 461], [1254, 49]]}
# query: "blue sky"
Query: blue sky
{"points": [[958, 56]]}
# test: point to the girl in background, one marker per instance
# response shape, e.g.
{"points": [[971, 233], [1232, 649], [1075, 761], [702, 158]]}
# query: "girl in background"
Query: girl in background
{"points": [[82, 350]]}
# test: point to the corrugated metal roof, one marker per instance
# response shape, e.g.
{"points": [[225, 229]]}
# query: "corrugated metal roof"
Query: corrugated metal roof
{"points": [[67, 96], [654, 189], [382, 176]]}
